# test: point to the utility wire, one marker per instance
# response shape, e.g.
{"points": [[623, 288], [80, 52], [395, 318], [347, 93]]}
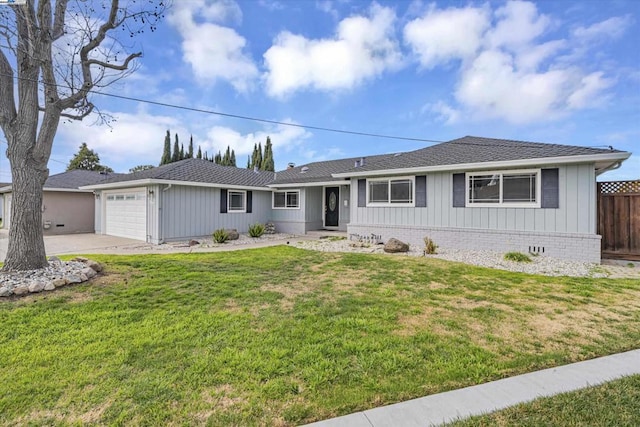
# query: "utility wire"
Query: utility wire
{"points": [[302, 126]]}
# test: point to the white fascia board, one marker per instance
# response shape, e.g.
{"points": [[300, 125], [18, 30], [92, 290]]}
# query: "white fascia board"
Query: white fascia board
{"points": [[310, 184], [66, 190], [145, 182], [589, 158], [6, 189]]}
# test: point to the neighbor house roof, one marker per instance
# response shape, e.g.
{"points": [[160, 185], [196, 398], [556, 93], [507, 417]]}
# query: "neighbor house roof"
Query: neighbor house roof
{"points": [[74, 179], [69, 180], [317, 172], [476, 151], [191, 171]]}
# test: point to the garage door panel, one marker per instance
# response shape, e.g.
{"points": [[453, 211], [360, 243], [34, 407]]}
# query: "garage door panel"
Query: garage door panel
{"points": [[126, 214]]}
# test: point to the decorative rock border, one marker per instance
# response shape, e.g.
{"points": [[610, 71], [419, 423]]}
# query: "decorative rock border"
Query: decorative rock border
{"points": [[58, 274]]}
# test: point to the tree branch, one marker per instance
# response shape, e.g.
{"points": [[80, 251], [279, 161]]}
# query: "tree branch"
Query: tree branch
{"points": [[58, 21], [80, 116], [123, 67], [7, 103]]}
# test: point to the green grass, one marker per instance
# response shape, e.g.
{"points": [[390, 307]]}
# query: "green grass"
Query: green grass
{"points": [[517, 257], [283, 336], [612, 404]]}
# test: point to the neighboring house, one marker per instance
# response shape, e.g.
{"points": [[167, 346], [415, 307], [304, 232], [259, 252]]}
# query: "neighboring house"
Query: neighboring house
{"points": [[473, 193], [65, 208]]}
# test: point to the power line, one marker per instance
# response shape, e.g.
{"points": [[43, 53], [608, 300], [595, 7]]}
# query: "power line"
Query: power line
{"points": [[241, 117], [276, 122]]}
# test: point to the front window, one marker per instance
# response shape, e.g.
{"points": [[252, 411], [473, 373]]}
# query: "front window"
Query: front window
{"points": [[286, 199], [397, 191], [506, 188], [237, 201]]}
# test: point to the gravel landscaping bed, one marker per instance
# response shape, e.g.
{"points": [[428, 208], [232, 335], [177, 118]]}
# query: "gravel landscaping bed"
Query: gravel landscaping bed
{"points": [[491, 259]]}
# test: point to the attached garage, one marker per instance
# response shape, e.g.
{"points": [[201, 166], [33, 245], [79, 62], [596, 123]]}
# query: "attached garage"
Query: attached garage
{"points": [[126, 213]]}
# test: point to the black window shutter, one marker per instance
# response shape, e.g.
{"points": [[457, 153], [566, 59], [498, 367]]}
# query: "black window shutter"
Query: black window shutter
{"points": [[223, 200], [249, 201], [550, 188], [362, 193], [421, 191], [458, 190]]}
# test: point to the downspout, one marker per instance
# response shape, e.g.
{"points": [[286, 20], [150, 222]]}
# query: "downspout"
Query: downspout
{"points": [[160, 215], [611, 167]]}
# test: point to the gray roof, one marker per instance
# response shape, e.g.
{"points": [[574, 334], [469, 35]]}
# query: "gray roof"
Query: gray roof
{"points": [[321, 171], [76, 178], [472, 149], [199, 170]]}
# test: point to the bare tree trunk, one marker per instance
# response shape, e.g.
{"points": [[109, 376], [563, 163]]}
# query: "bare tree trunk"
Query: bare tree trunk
{"points": [[26, 243]]}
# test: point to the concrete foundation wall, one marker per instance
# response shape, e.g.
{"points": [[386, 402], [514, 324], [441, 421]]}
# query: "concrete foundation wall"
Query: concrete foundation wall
{"points": [[569, 246]]}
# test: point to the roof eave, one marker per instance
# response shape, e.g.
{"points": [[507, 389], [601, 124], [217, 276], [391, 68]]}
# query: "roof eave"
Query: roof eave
{"points": [[588, 158], [309, 184], [151, 181]]}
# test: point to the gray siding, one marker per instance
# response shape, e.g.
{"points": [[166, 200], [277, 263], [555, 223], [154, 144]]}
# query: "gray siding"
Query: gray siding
{"points": [[314, 210], [576, 214], [195, 211], [345, 195]]}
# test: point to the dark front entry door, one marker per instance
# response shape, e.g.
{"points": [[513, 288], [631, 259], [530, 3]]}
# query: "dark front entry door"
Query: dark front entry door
{"points": [[331, 206]]}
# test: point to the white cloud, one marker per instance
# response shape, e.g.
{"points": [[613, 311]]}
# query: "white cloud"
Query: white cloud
{"points": [[444, 35], [363, 48], [589, 91], [214, 52], [133, 139], [283, 138], [444, 112], [493, 87], [519, 24], [510, 68], [611, 28]]}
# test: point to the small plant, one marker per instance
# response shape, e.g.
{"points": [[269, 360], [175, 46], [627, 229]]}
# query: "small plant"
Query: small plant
{"points": [[220, 235], [517, 257], [630, 265], [429, 246], [256, 230]]}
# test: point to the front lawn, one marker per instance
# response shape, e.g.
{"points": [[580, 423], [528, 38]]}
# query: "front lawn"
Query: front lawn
{"points": [[283, 336]]}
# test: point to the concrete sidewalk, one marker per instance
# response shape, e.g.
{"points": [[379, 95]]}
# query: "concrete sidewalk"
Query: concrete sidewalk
{"points": [[446, 407]]}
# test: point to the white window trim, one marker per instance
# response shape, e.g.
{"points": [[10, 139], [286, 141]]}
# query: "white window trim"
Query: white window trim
{"points": [[389, 204], [244, 198], [502, 204], [273, 199]]}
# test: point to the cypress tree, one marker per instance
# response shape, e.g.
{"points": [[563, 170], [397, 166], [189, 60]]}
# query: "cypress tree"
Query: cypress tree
{"points": [[218, 159], [248, 162], [190, 152], [176, 150], [181, 151], [232, 159], [259, 156], [267, 160], [254, 156], [166, 154], [199, 155]]}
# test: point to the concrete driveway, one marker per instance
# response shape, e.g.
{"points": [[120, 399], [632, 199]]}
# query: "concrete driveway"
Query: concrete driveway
{"points": [[79, 244], [100, 244]]}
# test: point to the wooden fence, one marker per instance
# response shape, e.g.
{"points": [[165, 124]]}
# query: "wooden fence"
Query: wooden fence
{"points": [[619, 219]]}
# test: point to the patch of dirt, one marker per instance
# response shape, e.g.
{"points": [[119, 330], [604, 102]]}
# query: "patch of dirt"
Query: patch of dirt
{"points": [[91, 416], [217, 399]]}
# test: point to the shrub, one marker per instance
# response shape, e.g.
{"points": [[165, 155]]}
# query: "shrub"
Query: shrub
{"points": [[256, 230], [429, 246], [517, 257], [220, 235]]}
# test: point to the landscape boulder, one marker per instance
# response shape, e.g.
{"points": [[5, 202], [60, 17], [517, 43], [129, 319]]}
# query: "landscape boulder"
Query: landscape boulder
{"points": [[233, 234], [394, 246]]}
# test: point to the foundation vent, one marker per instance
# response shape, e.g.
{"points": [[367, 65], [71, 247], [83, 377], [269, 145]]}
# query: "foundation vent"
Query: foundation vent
{"points": [[536, 250]]}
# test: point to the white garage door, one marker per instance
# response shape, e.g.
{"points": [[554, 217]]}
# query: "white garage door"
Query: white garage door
{"points": [[126, 214]]}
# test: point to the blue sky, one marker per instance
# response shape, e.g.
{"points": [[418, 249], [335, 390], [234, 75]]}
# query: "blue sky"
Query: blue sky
{"points": [[565, 72]]}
